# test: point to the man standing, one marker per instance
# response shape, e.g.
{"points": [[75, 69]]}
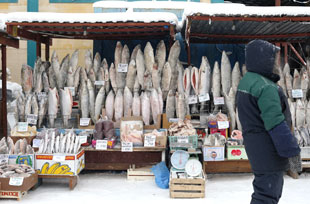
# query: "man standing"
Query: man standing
{"points": [[267, 138]]}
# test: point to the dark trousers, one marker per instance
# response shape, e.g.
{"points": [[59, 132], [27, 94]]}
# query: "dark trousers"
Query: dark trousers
{"points": [[267, 188]]}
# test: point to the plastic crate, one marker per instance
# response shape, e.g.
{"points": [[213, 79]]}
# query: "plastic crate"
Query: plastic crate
{"points": [[183, 142]]}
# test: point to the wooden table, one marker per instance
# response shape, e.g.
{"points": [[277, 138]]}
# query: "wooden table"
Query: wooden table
{"points": [[115, 159], [227, 166]]}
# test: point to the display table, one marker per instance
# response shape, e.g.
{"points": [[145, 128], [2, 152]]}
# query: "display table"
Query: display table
{"points": [[227, 166], [115, 159]]}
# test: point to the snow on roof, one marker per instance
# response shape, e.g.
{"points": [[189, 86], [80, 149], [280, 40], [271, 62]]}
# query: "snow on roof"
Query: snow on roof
{"points": [[2, 21], [146, 17]]}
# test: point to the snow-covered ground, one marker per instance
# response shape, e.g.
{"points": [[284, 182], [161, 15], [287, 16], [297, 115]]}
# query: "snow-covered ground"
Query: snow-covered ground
{"points": [[101, 187]]}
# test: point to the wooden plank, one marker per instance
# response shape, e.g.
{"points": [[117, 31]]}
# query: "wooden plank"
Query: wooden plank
{"points": [[187, 181], [186, 195], [125, 24], [72, 179], [227, 166], [113, 166], [12, 42], [135, 149], [187, 188]]}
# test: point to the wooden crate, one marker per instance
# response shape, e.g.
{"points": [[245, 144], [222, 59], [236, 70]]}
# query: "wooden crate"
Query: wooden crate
{"points": [[140, 174], [227, 166], [187, 188], [305, 153]]}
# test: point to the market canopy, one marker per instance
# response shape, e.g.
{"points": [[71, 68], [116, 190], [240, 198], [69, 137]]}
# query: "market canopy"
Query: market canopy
{"points": [[237, 23]]}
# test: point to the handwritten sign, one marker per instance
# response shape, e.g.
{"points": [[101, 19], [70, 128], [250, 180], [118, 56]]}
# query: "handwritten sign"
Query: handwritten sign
{"points": [[22, 127], [219, 101], [71, 89], [32, 119], [297, 93], [173, 120], [222, 124], [102, 144], [204, 97], [84, 121], [16, 181], [192, 99], [99, 83], [149, 141], [122, 67], [36, 142], [127, 147], [83, 139], [182, 139]]}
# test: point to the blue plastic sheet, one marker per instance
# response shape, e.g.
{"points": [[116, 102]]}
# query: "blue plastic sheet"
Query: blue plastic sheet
{"points": [[162, 175]]}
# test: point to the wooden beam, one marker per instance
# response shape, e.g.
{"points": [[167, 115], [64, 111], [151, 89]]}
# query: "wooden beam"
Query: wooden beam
{"points": [[249, 18], [285, 52], [9, 41], [297, 54], [277, 2], [4, 99], [27, 35], [292, 35]]}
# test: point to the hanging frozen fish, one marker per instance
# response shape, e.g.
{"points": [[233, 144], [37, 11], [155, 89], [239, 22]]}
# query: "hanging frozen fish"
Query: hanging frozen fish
{"points": [[160, 56], [147, 80], [99, 103], [70, 77], [74, 60], [92, 75], [83, 75], [155, 106], [136, 104], [51, 75], [181, 105], [230, 103], [308, 114], [38, 85], [180, 77], [166, 80], [281, 82], [195, 79], [286, 69], [96, 64], [174, 55], [170, 105], [88, 60], [34, 105], [35, 72], [28, 105], [42, 110], [187, 81], [149, 57], [225, 73], [204, 77], [216, 81], [145, 108], [134, 52], [155, 76], [236, 77], [305, 135], [26, 77], [112, 72], [21, 107], [56, 68], [66, 103], [128, 99], [53, 100], [136, 87], [84, 98], [64, 66], [296, 80], [161, 101], [76, 81], [300, 113], [304, 82], [46, 85], [120, 77], [293, 113], [109, 105], [131, 75], [289, 84], [91, 95], [118, 105], [107, 84], [244, 70], [140, 68]]}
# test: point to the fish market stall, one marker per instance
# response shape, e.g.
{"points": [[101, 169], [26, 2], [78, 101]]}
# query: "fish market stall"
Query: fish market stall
{"points": [[239, 24]]}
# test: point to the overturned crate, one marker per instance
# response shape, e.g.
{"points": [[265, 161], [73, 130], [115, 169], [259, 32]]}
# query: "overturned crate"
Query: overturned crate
{"points": [[187, 187]]}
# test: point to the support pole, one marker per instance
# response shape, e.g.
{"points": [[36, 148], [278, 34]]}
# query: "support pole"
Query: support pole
{"points": [[285, 53], [277, 2], [47, 51], [297, 54], [4, 108], [38, 48]]}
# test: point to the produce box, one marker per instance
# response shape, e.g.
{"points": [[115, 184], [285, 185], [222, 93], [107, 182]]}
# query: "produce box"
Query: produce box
{"points": [[161, 141], [223, 132], [213, 153], [305, 152], [60, 164], [166, 123], [183, 142], [7, 190], [236, 152], [22, 159]]}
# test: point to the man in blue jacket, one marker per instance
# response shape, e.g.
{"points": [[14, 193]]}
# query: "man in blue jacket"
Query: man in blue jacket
{"points": [[267, 138]]}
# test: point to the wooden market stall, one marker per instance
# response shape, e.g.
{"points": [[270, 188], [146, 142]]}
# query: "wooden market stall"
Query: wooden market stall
{"points": [[43, 27], [239, 24]]}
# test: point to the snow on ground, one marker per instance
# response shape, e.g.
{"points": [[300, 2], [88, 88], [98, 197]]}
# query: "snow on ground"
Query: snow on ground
{"points": [[94, 187]]}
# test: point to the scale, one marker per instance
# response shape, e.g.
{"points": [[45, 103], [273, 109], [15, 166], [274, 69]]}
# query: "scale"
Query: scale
{"points": [[193, 167], [179, 159]]}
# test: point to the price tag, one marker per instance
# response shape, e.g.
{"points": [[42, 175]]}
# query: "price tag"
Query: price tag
{"points": [[149, 141], [71, 89], [41, 95], [4, 158], [219, 101], [297, 93], [182, 139], [204, 97], [122, 67], [192, 99], [32, 119], [173, 120], [36, 142], [59, 158], [102, 144], [127, 147], [222, 124], [99, 83], [16, 181], [84, 121], [22, 127], [83, 139]]}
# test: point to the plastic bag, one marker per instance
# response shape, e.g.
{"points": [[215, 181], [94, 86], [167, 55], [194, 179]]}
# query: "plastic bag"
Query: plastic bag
{"points": [[162, 175]]}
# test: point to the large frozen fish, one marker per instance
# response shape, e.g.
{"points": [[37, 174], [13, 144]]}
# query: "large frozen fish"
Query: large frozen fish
{"points": [[21, 107], [35, 71], [76, 146], [88, 60], [106, 77], [216, 81], [96, 64], [74, 60], [296, 80], [286, 69], [51, 76], [170, 105], [281, 82], [134, 52], [195, 79], [91, 95], [99, 103], [174, 54], [304, 82], [136, 87], [300, 113], [140, 68], [181, 105], [70, 77], [109, 105], [305, 135], [112, 73], [230, 104], [34, 105], [293, 113], [161, 101], [149, 57], [56, 68], [66, 103], [118, 106], [77, 78], [145, 108], [84, 100], [26, 77], [236, 77], [38, 85], [64, 66], [128, 99], [28, 105], [131, 75], [155, 76], [289, 84], [160, 56], [204, 77], [187, 80], [155, 106], [83, 75], [166, 79], [180, 77], [46, 84], [53, 100], [308, 114], [92, 75], [136, 104], [42, 110], [225, 73], [118, 55], [147, 80]]}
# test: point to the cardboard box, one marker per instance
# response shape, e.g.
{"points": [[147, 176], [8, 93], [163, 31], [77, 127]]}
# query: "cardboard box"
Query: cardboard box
{"points": [[60, 164], [223, 132], [213, 153], [236, 152], [166, 123], [28, 183], [132, 126], [161, 141], [22, 159]]}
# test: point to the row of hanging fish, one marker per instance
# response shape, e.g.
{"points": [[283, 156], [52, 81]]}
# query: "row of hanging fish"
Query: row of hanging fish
{"points": [[21, 147], [302, 134], [68, 143], [15, 170]]}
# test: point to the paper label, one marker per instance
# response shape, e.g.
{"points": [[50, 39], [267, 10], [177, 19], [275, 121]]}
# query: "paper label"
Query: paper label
{"points": [[36, 142], [59, 158], [122, 67], [219, 101], [99, 83], [102, 144], [204, 97], [71, 89], [84, 121], [192, 99], [41, 95], [83, 139], [32, 119], [297, 93], [182, 139], [149, 140], [173, 120], [22, 127], [16, 181], [4, 158], [127, 147], [222, 124]]}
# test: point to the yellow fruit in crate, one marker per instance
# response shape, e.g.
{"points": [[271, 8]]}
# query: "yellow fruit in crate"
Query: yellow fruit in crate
{"points": [[69, 173], [62, 169], [52, 169], [44, 168]]}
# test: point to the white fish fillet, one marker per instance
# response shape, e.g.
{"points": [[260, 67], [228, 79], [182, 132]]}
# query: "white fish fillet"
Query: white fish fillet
{"points": [[109, 105], [128, 100]]}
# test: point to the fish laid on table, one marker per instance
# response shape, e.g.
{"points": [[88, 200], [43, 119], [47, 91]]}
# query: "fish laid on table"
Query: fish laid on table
{"points": [[195, 79], [136, 104], [128, 100], [26, 77], [300, 113], [91, 95], [88, 60], [145, 108], [296, 80], [84, 100], [170, 105], [131, 75], [225, 73], [155, 106], [134, 52], [289, 84], [96, 64], [160, 56], [112, 72], [99, 103], [140, 68], [53, 100], [118, 106], [109, 105], [149, 57], [66, 103], [236, 77], [187, 81], [42, 110], [166, 80]]}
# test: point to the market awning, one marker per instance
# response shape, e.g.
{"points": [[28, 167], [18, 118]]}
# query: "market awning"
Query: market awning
{"points": [[236, 23]]}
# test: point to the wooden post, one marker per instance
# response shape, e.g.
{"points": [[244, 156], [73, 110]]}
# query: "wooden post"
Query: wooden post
{"points": [[38, 42], [285, 53], [4, 111], [277, 2], [297, 54], [47, 51]]}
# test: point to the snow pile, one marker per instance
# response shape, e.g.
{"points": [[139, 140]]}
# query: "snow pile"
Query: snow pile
{"points": [[2, 21]]}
